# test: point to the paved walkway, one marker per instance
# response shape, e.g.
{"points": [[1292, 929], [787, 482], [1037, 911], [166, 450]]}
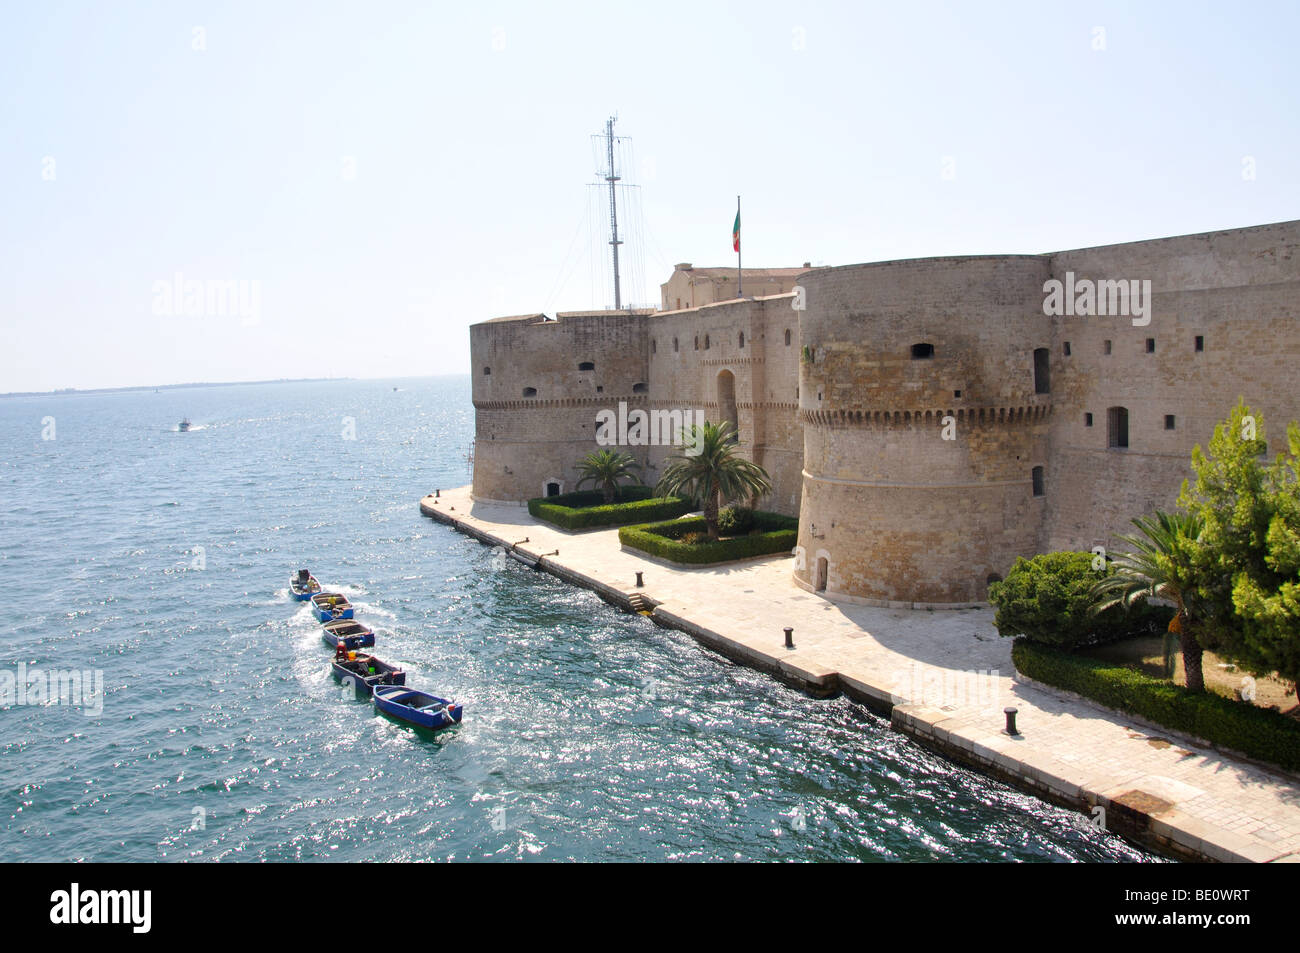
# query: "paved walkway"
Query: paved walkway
{"points": [[947, 675]]}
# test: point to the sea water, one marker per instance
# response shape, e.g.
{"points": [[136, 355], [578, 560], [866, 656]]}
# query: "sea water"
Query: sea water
{"points": [[160, 560]]}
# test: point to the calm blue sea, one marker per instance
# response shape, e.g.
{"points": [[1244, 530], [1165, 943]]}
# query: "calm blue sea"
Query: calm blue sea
{"points": [[160, 560]]}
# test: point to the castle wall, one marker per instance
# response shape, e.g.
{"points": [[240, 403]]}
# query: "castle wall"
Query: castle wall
{"points": [[1240, 291], [707, 346], [853, 433]]}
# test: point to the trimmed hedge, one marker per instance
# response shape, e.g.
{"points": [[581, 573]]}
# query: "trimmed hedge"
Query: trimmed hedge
{"points": [[1256, 732], [587, 508], [773, 533]]}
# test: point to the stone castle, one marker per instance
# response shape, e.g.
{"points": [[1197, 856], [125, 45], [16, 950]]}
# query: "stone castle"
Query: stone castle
{"points": [[928, 420]]}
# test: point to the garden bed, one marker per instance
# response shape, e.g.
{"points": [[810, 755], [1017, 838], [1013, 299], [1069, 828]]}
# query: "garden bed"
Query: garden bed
{"points": [[772, 533], [587, 508], [1256, 732]]}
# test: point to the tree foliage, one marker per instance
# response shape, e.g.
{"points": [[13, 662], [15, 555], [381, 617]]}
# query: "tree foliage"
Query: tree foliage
{"points": [[606, 468], [710, 469], [1164, 563], [1249, 589]]}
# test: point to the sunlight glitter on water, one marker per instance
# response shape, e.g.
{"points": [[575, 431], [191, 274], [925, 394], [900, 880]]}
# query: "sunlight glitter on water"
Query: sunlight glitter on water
{"points": [[589, 734]]}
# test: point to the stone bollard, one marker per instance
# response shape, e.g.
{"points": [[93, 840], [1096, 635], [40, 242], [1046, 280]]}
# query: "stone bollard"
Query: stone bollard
{"points": [[639, 582], [789, 637], [1011, 722]]}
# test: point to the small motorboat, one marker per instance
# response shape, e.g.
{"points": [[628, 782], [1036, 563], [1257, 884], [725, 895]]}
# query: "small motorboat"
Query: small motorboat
{"points": [[303, 586], [416, 707], [330, 606], [184, 425], [364, 671], [348, 634]]}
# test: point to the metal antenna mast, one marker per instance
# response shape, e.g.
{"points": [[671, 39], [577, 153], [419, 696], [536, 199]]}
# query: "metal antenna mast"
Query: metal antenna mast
{"points": [[612, 177]]}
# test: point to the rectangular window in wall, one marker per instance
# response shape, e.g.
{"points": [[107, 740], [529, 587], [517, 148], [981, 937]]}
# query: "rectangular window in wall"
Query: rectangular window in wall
{"points": [[1169, 421], [1117, 428], [1200, 342], [1037, 475], [1042, 371]]}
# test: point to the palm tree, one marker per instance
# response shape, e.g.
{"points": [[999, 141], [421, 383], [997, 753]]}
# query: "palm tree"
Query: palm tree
{"points": [[606, 468], [1161, 566], [710, 468]]}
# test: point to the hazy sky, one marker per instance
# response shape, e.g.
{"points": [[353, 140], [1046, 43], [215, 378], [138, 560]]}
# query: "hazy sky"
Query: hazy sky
{"points": [[381, 175]]}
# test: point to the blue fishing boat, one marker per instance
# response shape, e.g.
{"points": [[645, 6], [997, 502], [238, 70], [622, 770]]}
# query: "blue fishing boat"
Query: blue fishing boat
{"points": [[363, 672], [303, 586], [330, 607], [347, 634], [416, 707]]}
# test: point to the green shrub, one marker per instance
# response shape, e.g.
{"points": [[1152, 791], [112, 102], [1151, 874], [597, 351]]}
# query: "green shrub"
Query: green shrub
{"points": [[587, 508], [1048, 599], [1255, 732], [735, 520], [775, 534]]}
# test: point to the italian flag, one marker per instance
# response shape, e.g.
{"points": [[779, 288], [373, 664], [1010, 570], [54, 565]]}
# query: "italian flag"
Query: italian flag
{"points": [[735, 233]]}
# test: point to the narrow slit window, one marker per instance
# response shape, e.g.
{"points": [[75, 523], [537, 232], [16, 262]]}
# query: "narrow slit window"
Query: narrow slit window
{"points": [[1037, 476]]}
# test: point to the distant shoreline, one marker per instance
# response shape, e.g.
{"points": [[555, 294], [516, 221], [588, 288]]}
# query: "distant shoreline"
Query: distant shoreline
{"points": [[73, 391], [76, 391]]}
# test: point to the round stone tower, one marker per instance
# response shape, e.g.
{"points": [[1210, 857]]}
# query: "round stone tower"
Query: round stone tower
{"points": [[925, 394], [539, 386]]}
